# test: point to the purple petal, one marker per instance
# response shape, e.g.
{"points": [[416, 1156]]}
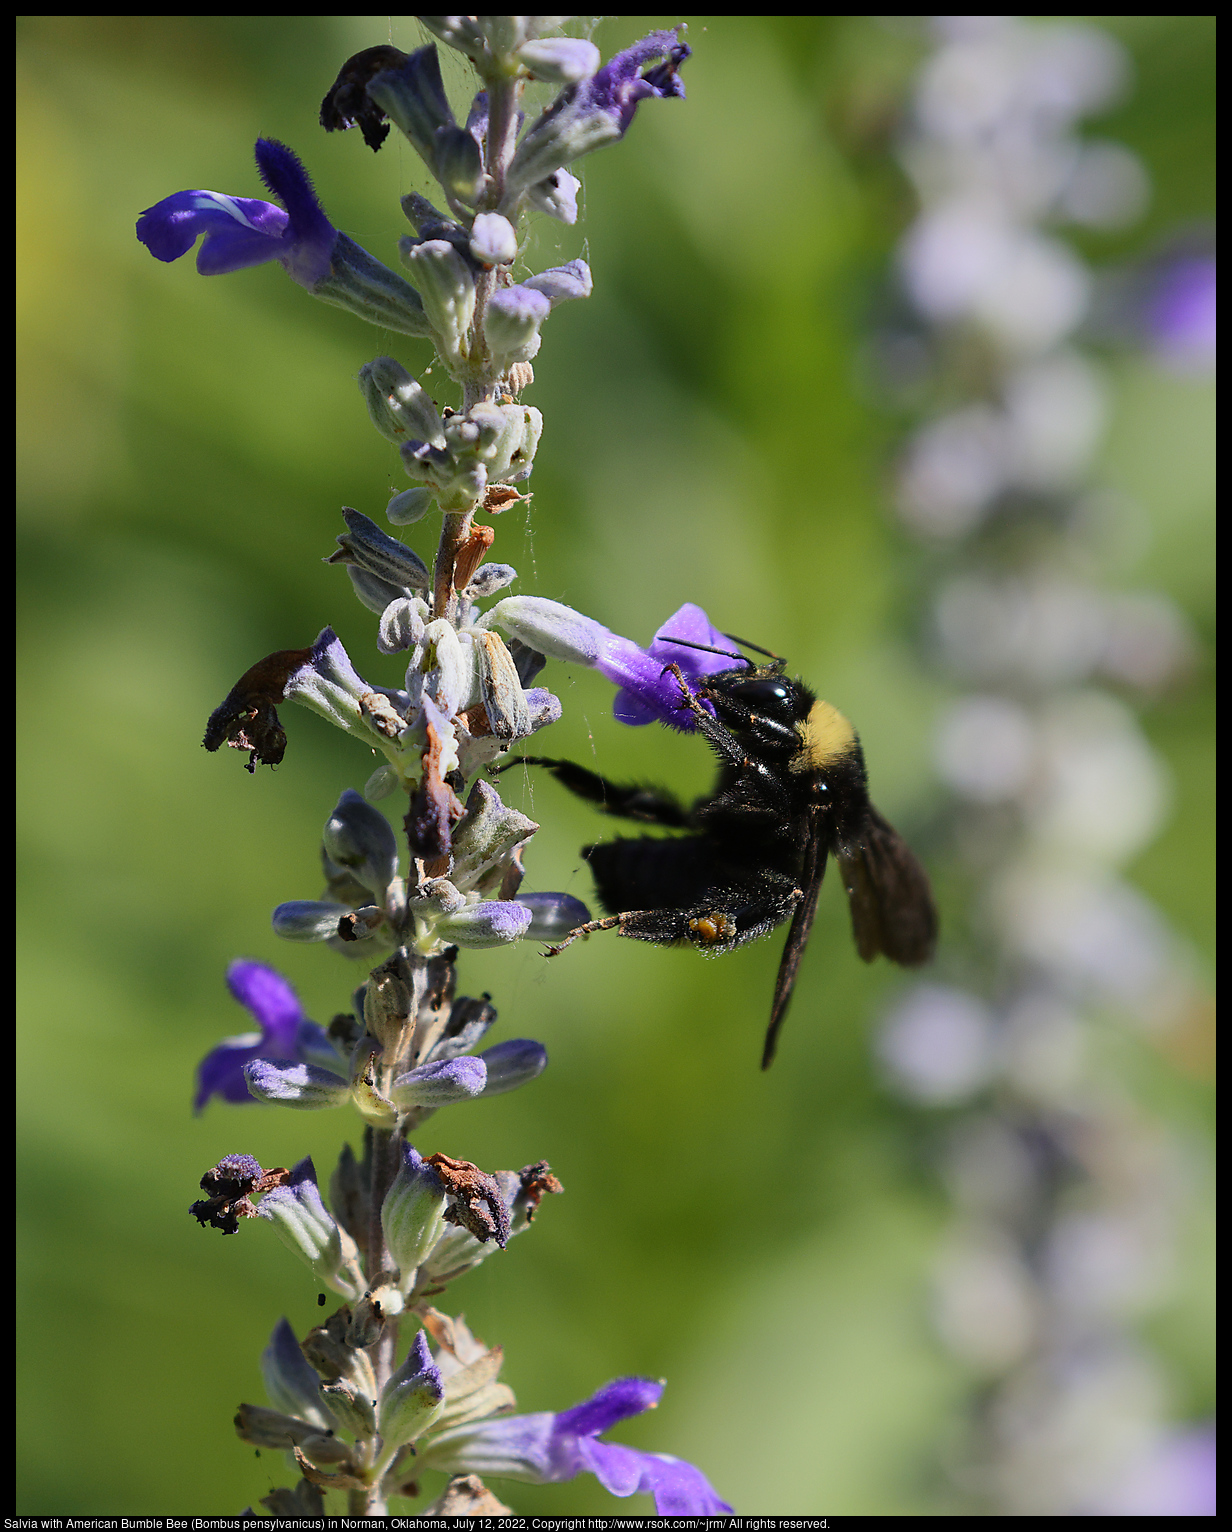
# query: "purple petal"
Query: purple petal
{"points": [[690, 626], [648, 691], [241, 231], [617, 1468], [283, 1024], [221, 1071], [273, 1003], [679, 1489], [620, 84], [286, 1033], [614, 1402], [310, 235]]}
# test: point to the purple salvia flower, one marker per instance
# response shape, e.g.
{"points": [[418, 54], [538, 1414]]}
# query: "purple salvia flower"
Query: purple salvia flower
{"points": [[286, 1033], [648, 691], [620, 84], [595, 111], [550, 1449], [240, 231]]}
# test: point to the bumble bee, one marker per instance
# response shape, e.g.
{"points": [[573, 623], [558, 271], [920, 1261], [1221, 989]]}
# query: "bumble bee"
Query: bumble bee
{"points": [[792, 790]]}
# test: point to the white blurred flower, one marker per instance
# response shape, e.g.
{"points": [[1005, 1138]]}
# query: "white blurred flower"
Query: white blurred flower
{"points": [[1039, 630], [936, 1044], [1056, 411], [1071, 1423], [1043, 1049], [954, 468], [1102, 794], [1093, 933], [985, 748], [985, 1306]]}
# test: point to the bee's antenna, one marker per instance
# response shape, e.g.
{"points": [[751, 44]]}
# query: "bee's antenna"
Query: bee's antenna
{"points": [[710, 649], [757, 648]]}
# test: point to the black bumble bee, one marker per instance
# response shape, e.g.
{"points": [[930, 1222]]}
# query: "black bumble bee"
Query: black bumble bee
{"points": [[792, 791]]}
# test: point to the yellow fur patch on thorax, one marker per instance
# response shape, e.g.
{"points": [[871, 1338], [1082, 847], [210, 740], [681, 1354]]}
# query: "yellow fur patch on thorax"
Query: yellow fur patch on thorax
{"points": [[825, 736]]}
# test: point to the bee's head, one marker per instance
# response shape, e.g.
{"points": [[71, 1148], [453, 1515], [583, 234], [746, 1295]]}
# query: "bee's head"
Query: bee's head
{"points": [[760, 703]]}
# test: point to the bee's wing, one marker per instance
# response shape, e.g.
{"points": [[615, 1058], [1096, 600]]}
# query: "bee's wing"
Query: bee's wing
{"points": [[892, 908], [797, 936]]}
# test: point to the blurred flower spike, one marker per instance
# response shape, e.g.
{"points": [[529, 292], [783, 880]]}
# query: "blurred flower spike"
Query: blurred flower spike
{"points": [[406, 894], [1180, 313]]}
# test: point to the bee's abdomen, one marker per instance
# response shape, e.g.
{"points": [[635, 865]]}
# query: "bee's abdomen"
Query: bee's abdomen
{"points": [[647, 873]]}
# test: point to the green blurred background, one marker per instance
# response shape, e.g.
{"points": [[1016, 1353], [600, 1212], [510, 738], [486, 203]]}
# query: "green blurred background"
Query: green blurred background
{"points": [[184, 447]]}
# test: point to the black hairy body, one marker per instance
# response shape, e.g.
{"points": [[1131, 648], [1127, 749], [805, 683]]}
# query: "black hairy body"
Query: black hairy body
{"points": [[792, 792]]}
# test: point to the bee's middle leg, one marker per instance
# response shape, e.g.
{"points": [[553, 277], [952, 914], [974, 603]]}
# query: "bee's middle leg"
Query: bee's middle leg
{"points": [[648, 805]]}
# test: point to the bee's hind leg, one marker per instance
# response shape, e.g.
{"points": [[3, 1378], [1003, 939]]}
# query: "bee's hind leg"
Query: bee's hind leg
{"points": [[607, 924]]}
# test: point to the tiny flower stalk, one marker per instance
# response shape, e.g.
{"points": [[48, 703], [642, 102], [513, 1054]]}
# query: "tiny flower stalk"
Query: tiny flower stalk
{"points": [[364, 1401]]}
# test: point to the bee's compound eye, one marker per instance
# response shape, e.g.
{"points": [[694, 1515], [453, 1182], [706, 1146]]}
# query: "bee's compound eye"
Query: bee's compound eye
{"points": [[771, 695]]}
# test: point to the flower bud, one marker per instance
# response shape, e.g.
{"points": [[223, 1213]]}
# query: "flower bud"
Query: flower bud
{"points": [[373, 592], [389, 1000], [450, 671], [308, 920], [413, 1397], [511, 324], [503, 33], [500, 689], [486, 835], [351, 1409], [304, 1225], [461, 32], [492, 923], [459, 163], [513, 1063], [436, 897], [488, 579], [360, 838], [412, 1214], [596, 110], [365, 545], [273, 1429], [469, 1021], [560, 283], [436, 1085], [293, 1084], [399, 406], [292, 1384], [559, 60], [493, 240], [448, 292], [556, 195], [401, 626], [413, 98], [408, 507]]}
